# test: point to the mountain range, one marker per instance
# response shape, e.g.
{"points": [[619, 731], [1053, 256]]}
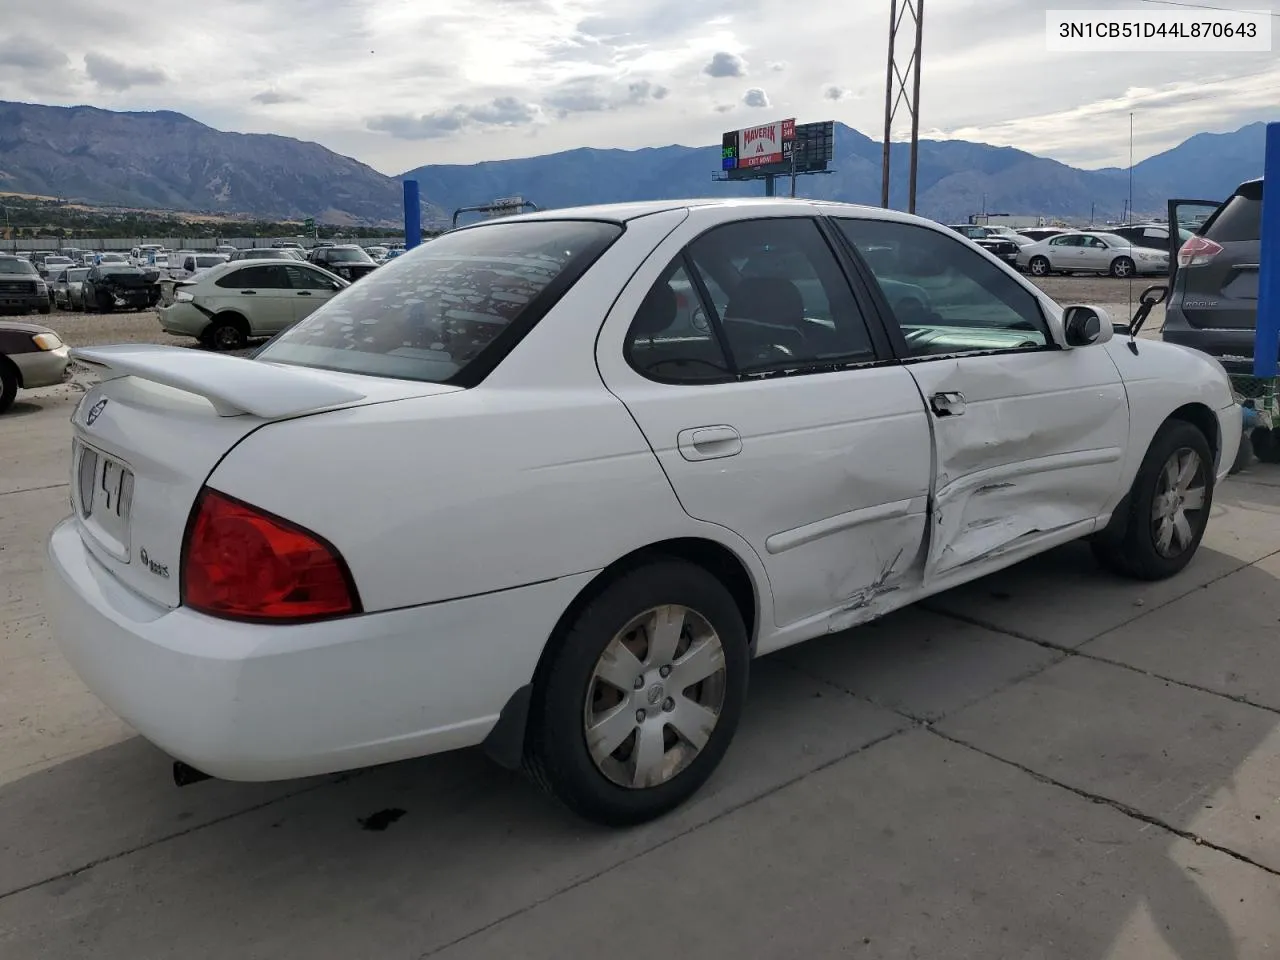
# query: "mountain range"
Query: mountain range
{"points": [[167, 160], [955, 178]]}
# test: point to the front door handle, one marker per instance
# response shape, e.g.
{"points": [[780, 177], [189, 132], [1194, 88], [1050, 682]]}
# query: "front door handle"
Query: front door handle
{"points": [[304, 293], [947, 404], [248, 292], [709, 443]]}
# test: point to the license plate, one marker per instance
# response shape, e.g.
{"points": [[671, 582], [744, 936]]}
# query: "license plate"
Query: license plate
{"points": [[106, 497]]}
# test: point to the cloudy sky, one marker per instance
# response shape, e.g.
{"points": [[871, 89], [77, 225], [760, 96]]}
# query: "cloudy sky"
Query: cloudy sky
{"points": [[400, 83]]}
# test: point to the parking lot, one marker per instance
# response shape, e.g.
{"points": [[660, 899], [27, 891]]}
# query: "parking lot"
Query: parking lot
{"points": [[1050, 762]]}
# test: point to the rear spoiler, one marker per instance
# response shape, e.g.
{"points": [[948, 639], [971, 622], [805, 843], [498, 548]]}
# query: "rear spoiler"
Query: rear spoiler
{"points": [[234, 385]]}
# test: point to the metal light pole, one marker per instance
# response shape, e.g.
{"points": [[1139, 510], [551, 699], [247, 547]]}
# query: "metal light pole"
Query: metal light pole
{"points": [[896, 90]]}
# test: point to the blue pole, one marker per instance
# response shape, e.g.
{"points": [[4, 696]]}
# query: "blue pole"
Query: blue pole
{"points": [[412, 215], [1266, 343]]}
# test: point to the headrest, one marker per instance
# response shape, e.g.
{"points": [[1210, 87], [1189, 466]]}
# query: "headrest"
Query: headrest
{"points": [[657, 312], [767, 299]]}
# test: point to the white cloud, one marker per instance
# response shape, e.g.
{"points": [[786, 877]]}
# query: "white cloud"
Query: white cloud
{"points": [[756, 98], [398, 83], [725, 65]]}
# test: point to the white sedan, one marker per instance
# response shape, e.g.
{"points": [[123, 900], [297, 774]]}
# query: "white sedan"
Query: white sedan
{"points": [[549, 483], [1092, 252]]}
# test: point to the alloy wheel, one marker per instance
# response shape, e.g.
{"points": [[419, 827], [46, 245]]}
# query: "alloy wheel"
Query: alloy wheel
{"points": [[1180, 496]]}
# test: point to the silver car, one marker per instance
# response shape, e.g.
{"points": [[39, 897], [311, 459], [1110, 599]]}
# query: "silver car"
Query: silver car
{"points": [[67, 289], [1090, 252]]}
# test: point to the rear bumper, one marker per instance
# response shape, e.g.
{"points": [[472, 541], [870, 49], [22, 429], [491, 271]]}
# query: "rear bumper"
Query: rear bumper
{"points": [[1232, 348], [260, 702], [182, 319]]}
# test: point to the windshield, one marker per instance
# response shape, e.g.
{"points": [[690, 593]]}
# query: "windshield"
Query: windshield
{"points": [[76, 274], [209, 261], [22, 268], [436, 312], [347, 255], [118, 269]]}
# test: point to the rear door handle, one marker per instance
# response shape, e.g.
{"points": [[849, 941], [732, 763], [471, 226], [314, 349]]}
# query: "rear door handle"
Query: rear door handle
{"points": [[947, 404], [709, 443], [304, 293], [249, 292]]}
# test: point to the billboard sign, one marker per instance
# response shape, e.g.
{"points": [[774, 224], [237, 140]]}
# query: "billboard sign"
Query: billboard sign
{"points": [[766, 145], [776, 149]]}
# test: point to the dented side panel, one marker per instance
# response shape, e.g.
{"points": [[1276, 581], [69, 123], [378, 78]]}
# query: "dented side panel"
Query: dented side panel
{"points": [[1038, 445]]}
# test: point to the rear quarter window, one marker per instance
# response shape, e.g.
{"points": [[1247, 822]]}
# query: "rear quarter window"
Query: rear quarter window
{"points": [[449, 310], [1240, 218]]}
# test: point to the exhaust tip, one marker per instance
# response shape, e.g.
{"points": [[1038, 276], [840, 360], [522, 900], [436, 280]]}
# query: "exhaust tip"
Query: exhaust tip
{"points": [[185, 774]]}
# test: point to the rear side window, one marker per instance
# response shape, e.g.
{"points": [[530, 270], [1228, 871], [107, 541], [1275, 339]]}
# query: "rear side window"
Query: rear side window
{"points": [[449, 310], [263, 277], [1240, 218]]}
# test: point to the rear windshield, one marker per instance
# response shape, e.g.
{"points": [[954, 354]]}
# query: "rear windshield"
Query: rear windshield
{"points": [[22, 268], [349, 255], [447, 311], [1240, 218], [210, 261]]}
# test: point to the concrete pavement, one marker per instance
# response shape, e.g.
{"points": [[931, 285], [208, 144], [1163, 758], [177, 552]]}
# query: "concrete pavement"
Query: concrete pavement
{"points": [[1049, 763]]}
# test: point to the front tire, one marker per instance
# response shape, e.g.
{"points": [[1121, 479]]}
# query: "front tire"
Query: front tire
{"points": [[1168, 507], [1039, 266], [1122, 268], [642, 696]]}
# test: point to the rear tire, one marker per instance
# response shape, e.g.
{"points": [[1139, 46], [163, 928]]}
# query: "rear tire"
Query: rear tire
{"points": [[1122, 268], [8, 383], [1134, 543], [1265, 445], [580, 707], [227, 333]]}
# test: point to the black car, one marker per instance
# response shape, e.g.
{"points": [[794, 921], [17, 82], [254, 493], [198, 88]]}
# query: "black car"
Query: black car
{"points": [[1041, 233], [1152, 236], [990, 240], [21, 287], [1213, 296], [111, 285], [348, 260]]}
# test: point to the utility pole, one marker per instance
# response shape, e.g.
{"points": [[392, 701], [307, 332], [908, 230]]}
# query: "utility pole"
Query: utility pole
{"points": [[896, 90]]}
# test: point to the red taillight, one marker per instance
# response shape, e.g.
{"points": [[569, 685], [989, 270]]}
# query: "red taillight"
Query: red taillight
{"points": [[241, 563], [1198, 251]]}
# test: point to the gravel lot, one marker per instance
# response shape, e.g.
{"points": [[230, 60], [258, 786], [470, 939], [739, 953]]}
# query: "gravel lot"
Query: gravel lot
{"points": [[88, 329]]}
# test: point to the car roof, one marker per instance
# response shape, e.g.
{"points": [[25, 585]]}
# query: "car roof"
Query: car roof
{"points": [[759, 206]]}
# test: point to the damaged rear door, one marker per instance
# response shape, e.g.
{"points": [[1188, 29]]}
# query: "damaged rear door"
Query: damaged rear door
{"points": [[1029, 438]]}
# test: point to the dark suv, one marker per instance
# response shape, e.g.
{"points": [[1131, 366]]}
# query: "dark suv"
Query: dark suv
{"points": [[347, 260], [22, 289], [990, 240], [1213, 300]]}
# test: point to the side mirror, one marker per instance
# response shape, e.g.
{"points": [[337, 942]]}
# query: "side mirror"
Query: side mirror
{"points": [[1086, 325]]}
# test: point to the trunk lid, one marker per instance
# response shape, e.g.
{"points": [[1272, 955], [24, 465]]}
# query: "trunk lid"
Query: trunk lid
{"points": [[147, 437]]}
